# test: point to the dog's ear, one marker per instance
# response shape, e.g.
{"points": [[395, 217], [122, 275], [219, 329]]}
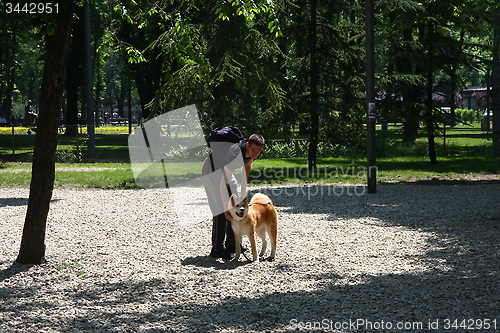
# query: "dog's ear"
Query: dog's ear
{"points": [[233, 197]]}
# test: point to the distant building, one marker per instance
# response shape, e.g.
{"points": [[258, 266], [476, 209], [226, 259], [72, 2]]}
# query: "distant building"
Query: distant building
{"points": [[474, 98]]}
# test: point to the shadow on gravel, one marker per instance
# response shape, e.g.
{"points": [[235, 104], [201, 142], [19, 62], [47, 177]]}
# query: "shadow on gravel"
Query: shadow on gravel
{"points": [[12, 270], [465, 286], [207, 261], [388, 298], [363, 307], [4, 202]]}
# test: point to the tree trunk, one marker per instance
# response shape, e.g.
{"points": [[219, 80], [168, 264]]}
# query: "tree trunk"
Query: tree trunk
{"points": [[11, 73], [411, 98], [429, 119], [5, 111], [98, 89], [72, 86], [7, 101], [314, 77], [453, 85], [32, 249], [411, 120], [496, 85], [74, 74]]}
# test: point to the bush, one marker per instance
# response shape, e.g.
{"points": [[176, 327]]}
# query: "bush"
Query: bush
{"points": [[469, 116], [68, 156], [300, 148]]}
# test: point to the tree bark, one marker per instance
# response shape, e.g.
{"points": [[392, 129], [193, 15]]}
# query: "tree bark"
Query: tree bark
{"points": [[496, 85], [72, 86], [411, 97], [5, 111], [314, 77], [32, 249], [429, 119], [75, 74]]}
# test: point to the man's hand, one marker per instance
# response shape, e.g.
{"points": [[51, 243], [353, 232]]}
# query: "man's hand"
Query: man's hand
{"points": [[229, 217]]}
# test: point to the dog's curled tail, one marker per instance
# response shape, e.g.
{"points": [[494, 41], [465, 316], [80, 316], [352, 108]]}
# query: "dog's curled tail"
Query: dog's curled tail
{"points": [[260, 198]]}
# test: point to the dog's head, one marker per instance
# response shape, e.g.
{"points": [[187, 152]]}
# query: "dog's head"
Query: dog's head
{"points": [[238, 207]]}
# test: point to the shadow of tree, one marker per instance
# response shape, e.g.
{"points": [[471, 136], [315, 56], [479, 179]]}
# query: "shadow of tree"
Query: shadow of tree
{"points": [[466, 241], [388, 298], [4, 202], [12, 270]]}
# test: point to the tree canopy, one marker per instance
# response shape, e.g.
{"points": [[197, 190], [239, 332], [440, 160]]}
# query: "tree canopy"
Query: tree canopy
{"points": [[265, 66]]}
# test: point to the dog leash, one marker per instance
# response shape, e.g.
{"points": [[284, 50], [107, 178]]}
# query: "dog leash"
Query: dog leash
{"points": [[245, 255]]}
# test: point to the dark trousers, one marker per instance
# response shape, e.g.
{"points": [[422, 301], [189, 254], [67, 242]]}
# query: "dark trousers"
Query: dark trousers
{"points": [[222, 235], [222, 232]]}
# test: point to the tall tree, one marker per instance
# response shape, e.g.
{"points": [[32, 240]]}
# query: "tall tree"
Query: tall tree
{"points": [[139, 26], [75, 74], [429, 110], [496, 83], [324, 71], [402, 81], [221, 56], [57, 46], [431, 45], [314, 81]]}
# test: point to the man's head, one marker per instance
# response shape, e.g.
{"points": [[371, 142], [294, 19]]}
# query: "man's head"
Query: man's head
{"points": [[255, 144]]}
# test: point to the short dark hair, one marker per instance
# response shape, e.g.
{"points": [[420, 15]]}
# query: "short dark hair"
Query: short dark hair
{"points": [[257, 139]]}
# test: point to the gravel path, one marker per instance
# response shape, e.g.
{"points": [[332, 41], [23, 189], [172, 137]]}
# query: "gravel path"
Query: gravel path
{"points": [[347, 261]]}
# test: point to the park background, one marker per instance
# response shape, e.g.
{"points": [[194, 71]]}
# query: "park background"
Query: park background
{"points": [[291, 70], [423, 249]]}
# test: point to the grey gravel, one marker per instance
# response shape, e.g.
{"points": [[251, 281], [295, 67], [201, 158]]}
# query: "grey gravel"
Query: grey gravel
{"points": [[126, 261]]}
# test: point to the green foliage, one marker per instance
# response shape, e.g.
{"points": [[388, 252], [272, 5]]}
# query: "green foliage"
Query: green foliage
{"points": [[68, 155], [134, 55], [300, 148], [469, 116], [67, 266], [219, 55], [247, 62]]}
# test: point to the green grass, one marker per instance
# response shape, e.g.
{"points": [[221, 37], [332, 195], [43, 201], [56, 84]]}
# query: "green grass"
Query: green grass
{"points": [[460, 141], [354, 171], [109, 147], [93, 175], [112, 144], [276, 171], [468, 154]]}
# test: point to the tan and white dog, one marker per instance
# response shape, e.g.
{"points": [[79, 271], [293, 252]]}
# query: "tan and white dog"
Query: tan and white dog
{"points": [[259, 216]]}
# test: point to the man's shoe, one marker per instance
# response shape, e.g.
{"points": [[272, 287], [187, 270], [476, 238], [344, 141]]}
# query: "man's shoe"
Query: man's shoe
{"points": [[224, 255], [228, 256]]}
